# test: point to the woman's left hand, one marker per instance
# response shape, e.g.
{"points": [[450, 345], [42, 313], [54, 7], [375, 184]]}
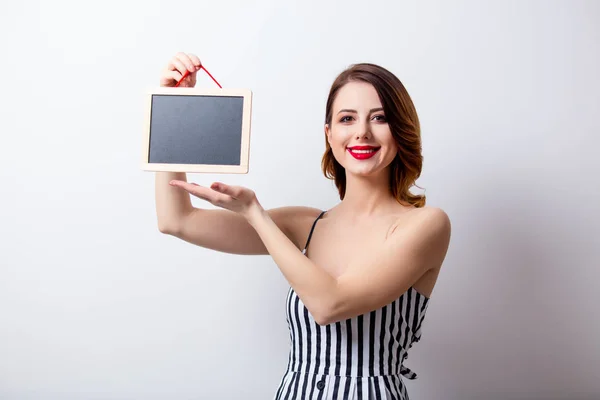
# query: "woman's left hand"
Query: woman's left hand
{"points": [[235, 198]]}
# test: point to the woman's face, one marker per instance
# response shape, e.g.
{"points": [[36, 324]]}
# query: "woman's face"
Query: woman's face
{"points": [[359, 135]]}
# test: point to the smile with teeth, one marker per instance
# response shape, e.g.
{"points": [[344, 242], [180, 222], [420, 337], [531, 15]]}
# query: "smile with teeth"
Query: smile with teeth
{"points": [[363, 152]]}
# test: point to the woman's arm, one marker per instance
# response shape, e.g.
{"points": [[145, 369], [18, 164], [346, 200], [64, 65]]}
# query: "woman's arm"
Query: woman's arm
{"points": [[369, 283], [220, 230], [172, 205]]}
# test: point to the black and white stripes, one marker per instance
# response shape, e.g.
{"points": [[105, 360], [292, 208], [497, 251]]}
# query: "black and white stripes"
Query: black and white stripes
{"points": [[359, 358]]}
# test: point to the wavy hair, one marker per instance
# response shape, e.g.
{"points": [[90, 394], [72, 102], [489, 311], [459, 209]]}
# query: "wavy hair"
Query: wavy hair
{"points": [[403, 121]]}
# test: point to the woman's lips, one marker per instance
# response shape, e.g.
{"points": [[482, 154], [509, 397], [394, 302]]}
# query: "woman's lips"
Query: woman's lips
{"points": [[363, 152]]}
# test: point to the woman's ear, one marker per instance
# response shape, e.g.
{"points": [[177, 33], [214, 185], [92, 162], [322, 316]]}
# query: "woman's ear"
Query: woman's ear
{"points": [[328, 133]]}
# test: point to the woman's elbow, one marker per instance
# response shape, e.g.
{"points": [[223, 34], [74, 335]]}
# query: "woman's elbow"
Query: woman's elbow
{"points": [[324, 315], [168, 228], [324, 320]]}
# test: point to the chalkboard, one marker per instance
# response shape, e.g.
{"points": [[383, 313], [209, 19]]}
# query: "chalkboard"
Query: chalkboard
{"points": [[197, 130]]}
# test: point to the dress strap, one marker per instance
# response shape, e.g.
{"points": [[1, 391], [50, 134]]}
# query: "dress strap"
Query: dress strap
{"points": [[311, 231]]}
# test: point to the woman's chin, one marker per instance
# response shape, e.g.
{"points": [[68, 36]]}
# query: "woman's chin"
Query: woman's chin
{"points": [[365, 169], [362, 171]]}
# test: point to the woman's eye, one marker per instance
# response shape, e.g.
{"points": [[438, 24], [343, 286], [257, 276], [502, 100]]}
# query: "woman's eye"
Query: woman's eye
{"points": [[348, 118]]}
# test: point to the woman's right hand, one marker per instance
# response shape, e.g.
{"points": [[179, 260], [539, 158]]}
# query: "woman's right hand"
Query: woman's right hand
{"points": [[177, 66]]}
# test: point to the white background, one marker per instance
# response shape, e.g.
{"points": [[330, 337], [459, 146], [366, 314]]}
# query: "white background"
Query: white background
{"points": [[95, 303]]}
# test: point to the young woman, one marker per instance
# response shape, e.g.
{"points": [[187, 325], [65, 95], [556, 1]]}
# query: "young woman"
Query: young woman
{"points": [[359, 293]]}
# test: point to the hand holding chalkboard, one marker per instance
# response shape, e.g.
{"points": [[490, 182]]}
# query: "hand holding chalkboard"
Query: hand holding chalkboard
{"points": [[189, 129], [178, 66]]}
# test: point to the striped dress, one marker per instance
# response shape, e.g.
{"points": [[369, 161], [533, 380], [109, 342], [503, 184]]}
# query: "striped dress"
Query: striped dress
{"points": [[357, 359]]}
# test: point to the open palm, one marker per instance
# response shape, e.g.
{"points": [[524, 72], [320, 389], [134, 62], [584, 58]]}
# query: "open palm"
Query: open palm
{"points": [[235, 198]]}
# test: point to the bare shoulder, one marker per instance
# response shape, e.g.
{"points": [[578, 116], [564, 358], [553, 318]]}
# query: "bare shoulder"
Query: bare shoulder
{"points": [[295, 221], [427, 229], [295, 214], [431, 219], [425, 236], [300, 211]]}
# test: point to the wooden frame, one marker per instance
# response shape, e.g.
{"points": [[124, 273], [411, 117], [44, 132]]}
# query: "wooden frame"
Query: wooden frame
{"points": [[199, 168]]}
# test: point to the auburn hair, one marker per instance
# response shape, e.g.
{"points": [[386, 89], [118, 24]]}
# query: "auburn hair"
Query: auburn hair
{"points": [[403, 121]]}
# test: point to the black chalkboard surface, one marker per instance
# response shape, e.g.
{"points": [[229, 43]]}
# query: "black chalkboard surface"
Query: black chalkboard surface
{"points": [[197, 130]]}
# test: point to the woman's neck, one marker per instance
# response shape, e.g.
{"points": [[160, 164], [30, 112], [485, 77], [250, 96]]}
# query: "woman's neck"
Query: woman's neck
{"points": [[368, 196]]}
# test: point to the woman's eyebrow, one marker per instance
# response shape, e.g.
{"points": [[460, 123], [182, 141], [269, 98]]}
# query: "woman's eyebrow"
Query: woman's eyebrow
{"points": [[356, 112]]}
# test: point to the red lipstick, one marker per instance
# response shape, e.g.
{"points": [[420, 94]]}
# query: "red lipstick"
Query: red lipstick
{"points": [[363, 152]]}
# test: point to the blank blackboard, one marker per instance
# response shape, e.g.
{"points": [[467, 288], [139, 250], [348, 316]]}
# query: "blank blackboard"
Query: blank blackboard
{"points": [[197, 130]]}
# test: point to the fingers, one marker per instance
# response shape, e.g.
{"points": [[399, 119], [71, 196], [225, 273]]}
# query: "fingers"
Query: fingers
{"points": [[184, 185], [180, 65], [195, 60], [233, 191], [174, 75], [170, 78], [201, 192], [221, 188], [176, 64], [192, 188], [183, 62]]}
